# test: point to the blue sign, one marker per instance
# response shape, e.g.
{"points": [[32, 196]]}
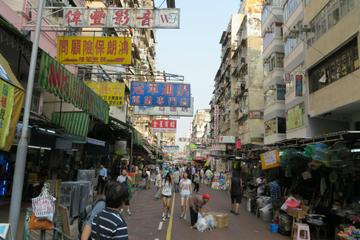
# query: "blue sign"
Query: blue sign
{"points": [[154, 94]]}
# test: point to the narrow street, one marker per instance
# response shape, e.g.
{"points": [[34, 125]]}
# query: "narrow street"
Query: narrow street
{"points": [[145, 222]]}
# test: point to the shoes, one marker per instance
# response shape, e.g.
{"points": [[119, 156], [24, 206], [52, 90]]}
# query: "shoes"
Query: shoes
{"points": [[232, 211], [129, 212], [184, 217], [168, 215], [163, 218]]}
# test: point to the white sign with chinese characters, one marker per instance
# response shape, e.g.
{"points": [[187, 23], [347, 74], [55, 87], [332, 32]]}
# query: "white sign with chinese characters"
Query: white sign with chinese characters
{"points": [[121, 17], [165, 111]]}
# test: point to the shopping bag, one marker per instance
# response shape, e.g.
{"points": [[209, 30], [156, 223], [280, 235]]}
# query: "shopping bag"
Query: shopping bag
{"points": [[43, 206], [39, 224]]}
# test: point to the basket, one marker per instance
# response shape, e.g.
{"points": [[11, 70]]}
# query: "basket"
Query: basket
{"points": [[221, 219]]}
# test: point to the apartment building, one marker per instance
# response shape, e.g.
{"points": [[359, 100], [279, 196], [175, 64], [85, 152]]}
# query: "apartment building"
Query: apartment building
{"points": [[273, 86], [199, 125], [332, 64], [247, 73]]}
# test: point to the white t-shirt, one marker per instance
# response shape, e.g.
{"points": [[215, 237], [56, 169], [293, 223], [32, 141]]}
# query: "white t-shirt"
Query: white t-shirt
{"points": [[185, 186], [166, 190], [121, 178]]}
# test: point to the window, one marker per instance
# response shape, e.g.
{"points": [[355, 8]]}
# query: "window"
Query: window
{"points": [[276, 61], [275, 126], [281, 125], [331, 14], [341, 63], [295, 117], [294, 82], [281, 92], [290, 7]]}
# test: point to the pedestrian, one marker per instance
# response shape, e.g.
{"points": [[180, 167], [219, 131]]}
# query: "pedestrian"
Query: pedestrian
{"points": [[197, 202], [148, 180], [102, 179], [166, 194], [176, 179], [109, 224], [193, 171], [202, 175], [235, 192], [125, 180], [185, 192], [196, 182], [144, 178], [209, 175], [158, 183], [97, 207]]}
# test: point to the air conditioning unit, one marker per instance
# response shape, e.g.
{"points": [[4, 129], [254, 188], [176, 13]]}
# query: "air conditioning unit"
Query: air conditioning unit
{"points": [[306, 28]]}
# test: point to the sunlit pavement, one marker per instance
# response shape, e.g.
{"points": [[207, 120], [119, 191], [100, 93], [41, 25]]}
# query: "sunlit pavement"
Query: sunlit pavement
{"points": [[145, 221]]}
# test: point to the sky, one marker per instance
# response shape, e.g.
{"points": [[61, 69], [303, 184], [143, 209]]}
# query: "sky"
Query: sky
{"points": [[193, 51]]}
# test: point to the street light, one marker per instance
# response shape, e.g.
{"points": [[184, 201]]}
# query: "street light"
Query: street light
{"points": [[18, 182]]}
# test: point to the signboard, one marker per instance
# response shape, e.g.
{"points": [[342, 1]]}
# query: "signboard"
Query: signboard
{"points": [[153, 94], [163, 125], [218, 147], [6, 108], [216, 120], [111, 92], [298, 85], [238, 144], [4, 230], [226, 139], [165, 111], [121, 17], [184, 139], [270, 159], [93, 50], [170, 149], [58, 80]]}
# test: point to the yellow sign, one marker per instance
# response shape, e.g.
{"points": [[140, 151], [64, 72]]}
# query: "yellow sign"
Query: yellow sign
{"points": [[6, 108], [111, 92], [93, 50], [270, 159]]}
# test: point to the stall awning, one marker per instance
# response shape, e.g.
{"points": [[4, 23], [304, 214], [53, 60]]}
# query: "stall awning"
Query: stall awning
{"points": [[74, 123]]}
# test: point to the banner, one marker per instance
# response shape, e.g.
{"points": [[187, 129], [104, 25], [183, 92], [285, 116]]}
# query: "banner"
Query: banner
{"points": [[111, 92], [153, 94], [163, 125], [270, 159], [59, 81], [93, 50], [121, 17], [165, 111], [11, 103], [170, 149], [226, 139]]}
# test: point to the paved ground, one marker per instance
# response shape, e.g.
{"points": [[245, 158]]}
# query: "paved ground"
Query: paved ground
{"points": [[146, 219]]}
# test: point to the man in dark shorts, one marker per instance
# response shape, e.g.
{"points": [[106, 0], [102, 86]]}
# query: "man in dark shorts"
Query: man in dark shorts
{"points": [[235, 192]]}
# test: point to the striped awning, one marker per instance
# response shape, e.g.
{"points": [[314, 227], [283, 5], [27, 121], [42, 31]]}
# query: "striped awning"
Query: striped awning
{"points": [[74, 123]]}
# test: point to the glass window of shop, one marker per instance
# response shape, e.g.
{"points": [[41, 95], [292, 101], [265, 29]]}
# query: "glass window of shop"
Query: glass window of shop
{"points": [[290, 7], [336, 66], [328, 17], [295, 117], [275, 126]]}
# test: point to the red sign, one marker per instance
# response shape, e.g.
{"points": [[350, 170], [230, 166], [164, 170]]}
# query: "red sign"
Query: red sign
{"points": [[238, 144], [163, 125]]}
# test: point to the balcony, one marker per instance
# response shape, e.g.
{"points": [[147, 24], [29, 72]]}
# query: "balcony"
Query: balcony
{"points": [[273, 77], [272, 43], [271, 13]]}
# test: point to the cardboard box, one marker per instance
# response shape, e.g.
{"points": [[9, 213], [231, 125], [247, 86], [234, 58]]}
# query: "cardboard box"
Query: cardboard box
{"points": [[221, 219]]}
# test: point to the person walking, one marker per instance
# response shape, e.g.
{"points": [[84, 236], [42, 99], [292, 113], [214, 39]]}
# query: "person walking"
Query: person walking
{"points": [[202, 175], [185, 192], [235, 192], [209, 175], [125, 180], [166, 194], [196, 182], [176, 179], [197, 202], [144, 177], [109, 224], [102, 179], [158, 183]]}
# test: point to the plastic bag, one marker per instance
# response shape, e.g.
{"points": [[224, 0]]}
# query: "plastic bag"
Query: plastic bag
{"points": [[210, 220], [201, 224], [44, 205]]}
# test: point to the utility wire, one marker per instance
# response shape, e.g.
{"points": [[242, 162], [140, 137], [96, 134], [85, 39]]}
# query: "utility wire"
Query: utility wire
{"points": [[161, 4]]}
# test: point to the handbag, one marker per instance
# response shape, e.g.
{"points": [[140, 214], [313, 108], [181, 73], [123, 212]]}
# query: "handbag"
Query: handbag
{"points": [[39, 224]]}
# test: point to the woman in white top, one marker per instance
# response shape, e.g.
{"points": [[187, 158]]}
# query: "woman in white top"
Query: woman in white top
{"points": [[185, 192], [166, 194]]}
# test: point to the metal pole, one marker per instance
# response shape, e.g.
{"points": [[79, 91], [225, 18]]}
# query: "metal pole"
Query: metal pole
{"points": [[18, 182], [131, 147]]}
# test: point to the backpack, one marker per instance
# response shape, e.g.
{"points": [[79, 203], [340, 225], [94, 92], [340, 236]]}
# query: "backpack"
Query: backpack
{"points": [[85, 214]]}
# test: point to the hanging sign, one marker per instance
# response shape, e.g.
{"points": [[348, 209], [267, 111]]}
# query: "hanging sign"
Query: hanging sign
{"points": [[163, 125], [153, 94], [121, 17], [93, 50], [58, 80], [270, 159], [165, 111], [111, 92]]}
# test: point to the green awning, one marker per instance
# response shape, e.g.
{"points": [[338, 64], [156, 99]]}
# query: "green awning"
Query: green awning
{"points": [[74, 123]]}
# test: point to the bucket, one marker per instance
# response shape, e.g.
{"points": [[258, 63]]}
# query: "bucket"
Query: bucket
{"points": [[274, 228]]}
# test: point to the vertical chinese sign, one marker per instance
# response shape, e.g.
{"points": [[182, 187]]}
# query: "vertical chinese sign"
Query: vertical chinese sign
{"points": [[59, 81], [94, 50], [121, 17], [163, 125], [11, 102], [153, 94], [216, 120], [111, 92]]}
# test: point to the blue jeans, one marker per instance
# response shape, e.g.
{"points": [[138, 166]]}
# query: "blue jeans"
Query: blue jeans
{"points": [[176, 187]]}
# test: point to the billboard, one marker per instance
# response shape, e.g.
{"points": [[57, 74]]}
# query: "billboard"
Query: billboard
{"points": [[93, 50], [270, 159], [121, 17], [165, 111], [111, 92], [170, 149], [163, 125], [152, 94]]}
